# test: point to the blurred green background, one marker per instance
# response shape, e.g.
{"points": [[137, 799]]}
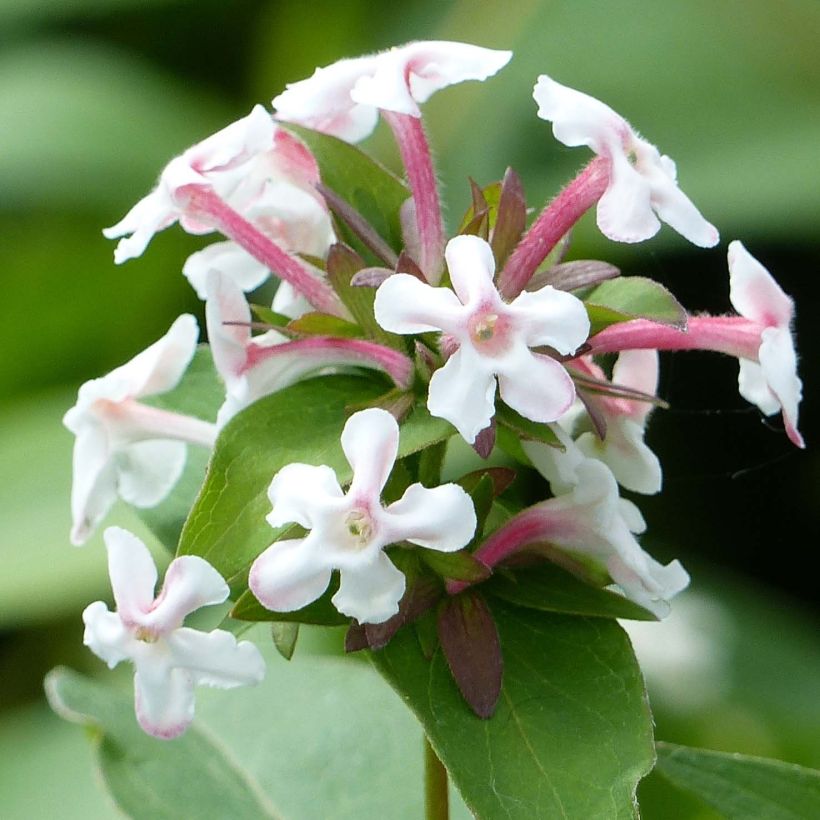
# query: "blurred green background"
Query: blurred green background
{"points": [[96, 95]]}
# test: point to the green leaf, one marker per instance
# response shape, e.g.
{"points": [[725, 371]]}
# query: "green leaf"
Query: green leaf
{"points": [[270, 317], [742, 787], [524, 428], [284, 635], [320, 324], [320, 612], [149, 778], [572, 733], [369, 187], [631, 297], [552, 589], [303, 423], [459, 566]]}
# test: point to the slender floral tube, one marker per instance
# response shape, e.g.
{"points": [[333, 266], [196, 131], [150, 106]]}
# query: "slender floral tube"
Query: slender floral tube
{"points": [[418, 163], [552, 223], [236, 227], [139, 422]]}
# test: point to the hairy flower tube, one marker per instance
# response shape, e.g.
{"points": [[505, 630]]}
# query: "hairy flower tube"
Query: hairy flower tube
{"points": [[494, 339], [642, 190], [127, 448], [344, 98], [169, 659], [256, 366], [348, 531], [759, 337]]}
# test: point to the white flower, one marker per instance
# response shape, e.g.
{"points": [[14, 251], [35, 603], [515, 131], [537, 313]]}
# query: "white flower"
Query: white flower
{"points": [[250, 164], [623, 448], [256, 366], [771, 382], [124, 447], [343, 99], [494, 339], [642, 187], [169, 659], [349, 531]]}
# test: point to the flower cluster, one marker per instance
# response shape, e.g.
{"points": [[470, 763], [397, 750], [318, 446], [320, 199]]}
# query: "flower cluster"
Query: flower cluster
{"points": [[485, 333]]}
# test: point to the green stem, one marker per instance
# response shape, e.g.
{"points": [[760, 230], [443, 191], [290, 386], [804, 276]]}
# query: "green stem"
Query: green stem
{"points": [[436, 805]]}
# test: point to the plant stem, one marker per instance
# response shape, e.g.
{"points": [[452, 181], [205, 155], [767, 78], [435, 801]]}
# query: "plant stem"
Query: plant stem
{"points": [[436, 802]]}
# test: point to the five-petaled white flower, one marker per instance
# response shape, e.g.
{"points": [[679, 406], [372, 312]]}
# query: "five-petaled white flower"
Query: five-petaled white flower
{"points": [[494, 339], [344, 98], [259, 170], [771, 382], [642, 188], [349, 531], [124, 447], [169, 659]]}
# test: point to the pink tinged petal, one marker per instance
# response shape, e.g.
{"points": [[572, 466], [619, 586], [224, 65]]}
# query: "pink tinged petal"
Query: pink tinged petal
{"points": [[150, 215], [106, 635], [577, 118], [94, 482], [441, 518], [471, 264], [228, 259], [370, 592], [234, 144], [779, 364], [753, 291], [288, 576], [551, 317], [148, 470], [370, 441], [228, 342], [216, 658], [624, 211], [638, 370], [299, 493], [133, 574], [164, 699], [190, 583], [463, 392], [406, 305], [536, 386], [624, 451]]}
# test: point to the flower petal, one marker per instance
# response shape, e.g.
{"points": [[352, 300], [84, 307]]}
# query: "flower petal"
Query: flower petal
{"points": [[94, 482], [753, 291], [559, 467], [370, 441], [371, 592], [286, 576], [164, 699], [463, 392], [228, 342], [754, 387], [439, 518], [625, 211], [638, 370], [779, 364], [404, 304], [190, 583], [148, 471], [106, 635], [536, 386], [471, 264], [551, 317], [215, 658], [289, 302], [231, 261], [299, 491], [133, 574]]}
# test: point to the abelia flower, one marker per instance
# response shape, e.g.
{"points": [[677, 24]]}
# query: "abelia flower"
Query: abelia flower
{"points": [[245, 164], [771, 382], [642, 188], [343, 99], [348, 531], [256, 366], [493, 337], [623, 448], [169, 659], [124, 447]]}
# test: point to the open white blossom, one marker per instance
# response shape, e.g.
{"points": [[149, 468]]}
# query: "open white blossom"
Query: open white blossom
{"points": [[642, 190], [494, 339], [771, 382], [348, 531], [169, 659], [343, 99], [124, 447]]}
